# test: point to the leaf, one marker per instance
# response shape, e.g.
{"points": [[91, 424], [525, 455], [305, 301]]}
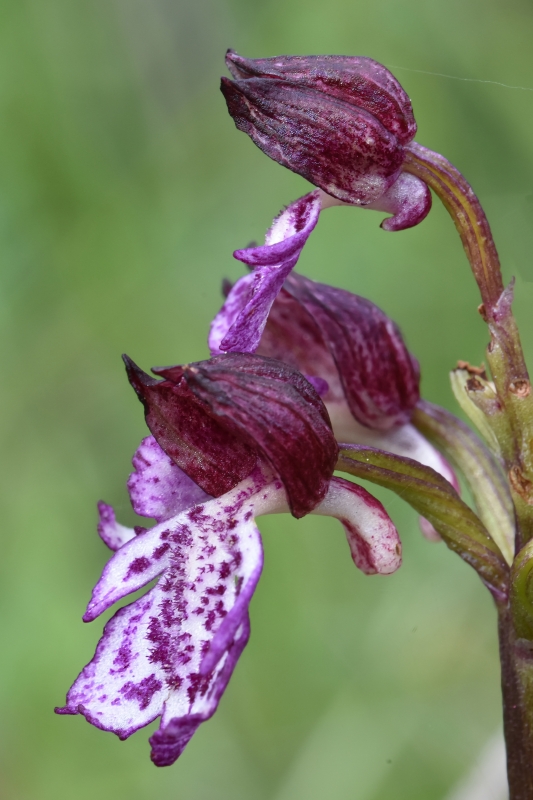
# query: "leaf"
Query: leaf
{"points": [[479, 466], [435, 499]]}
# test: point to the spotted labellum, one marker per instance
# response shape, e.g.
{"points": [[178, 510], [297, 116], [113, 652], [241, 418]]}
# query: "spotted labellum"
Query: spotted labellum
{"points": [[234, 437]]}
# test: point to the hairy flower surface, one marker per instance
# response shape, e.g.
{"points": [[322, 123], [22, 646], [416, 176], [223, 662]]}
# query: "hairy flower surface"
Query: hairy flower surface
{"points": [[171, 653], [339, 121]]}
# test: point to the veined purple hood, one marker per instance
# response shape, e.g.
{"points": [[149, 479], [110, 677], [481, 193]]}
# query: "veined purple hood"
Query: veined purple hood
{"points": [[339, 121]]}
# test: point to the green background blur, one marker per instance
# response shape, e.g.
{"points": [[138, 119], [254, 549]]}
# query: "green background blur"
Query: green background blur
{"points": [[124, 189]]}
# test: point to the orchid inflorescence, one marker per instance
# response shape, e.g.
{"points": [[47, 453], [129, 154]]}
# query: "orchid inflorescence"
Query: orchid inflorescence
{"points": [[304, 380]]}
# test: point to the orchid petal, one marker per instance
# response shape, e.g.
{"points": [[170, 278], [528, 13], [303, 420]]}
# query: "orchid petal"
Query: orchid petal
{"points": [[341, 148], [355, 79], [159, 488], [240, 323], [112, 533], [245, 333], [121, 689], [135, 564], [408, 200], [237, 299], [172, 652], [173, 736], [373, 539], [380, 379], [213, 455], [277, 410], [292, 335]]}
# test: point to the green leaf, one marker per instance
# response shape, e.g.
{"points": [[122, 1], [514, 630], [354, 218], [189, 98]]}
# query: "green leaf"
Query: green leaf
{"points": [[480, 468], [435, 499]]}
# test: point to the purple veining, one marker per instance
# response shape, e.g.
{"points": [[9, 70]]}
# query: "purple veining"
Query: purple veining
{"points": [[246, 313], [339, 121], [216, 418], [152, 656]]}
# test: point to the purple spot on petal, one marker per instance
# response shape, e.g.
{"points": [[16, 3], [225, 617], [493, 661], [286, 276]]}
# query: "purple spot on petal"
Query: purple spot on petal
{"points": [[137, 566], [160, 551], [143, 692]]}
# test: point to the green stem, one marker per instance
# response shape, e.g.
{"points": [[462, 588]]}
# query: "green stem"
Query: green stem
{"points": [[517, 690]]}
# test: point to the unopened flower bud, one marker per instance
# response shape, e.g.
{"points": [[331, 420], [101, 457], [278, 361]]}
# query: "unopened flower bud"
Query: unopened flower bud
{"points": [[341, 122]]}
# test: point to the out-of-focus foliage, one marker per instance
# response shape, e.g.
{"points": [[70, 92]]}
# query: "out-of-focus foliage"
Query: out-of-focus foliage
{"points": [[124, 188]]}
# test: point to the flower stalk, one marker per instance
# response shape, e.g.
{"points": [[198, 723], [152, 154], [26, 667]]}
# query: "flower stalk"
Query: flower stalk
{"points": [[504, 352]]}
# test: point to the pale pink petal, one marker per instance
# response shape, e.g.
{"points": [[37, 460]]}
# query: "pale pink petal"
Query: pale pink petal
{"points": [[408, 200], [158, 488], [112, 533], [372, 536]]}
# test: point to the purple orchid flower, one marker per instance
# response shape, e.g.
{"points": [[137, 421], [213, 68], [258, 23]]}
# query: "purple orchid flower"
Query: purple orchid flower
{"points": [[253, 432], [342, 122], [353, 354], [249, 302]]}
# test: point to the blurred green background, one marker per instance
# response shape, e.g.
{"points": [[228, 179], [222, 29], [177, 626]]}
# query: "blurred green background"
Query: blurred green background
{"points": [[124, 188]]}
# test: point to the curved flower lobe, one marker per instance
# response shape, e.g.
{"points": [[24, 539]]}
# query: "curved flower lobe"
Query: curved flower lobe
{"points": [[239, 328], [374, 542]]}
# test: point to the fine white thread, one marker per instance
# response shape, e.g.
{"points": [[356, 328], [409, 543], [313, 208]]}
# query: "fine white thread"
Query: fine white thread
{"points": [[457, 78]]}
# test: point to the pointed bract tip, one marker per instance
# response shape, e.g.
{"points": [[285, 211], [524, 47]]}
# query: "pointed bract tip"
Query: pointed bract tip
{"points": [[139, 379]]}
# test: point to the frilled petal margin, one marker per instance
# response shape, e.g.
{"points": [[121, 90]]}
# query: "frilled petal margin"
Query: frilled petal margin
{"points": [[171, 653], [239, 325]]}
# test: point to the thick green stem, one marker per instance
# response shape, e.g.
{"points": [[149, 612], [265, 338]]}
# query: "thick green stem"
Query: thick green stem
{"points": [[516, 657]]}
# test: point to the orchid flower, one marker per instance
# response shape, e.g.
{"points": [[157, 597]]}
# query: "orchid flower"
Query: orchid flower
{"points": [[234, 438], [354, 355], [342, 122]]}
